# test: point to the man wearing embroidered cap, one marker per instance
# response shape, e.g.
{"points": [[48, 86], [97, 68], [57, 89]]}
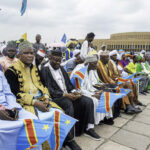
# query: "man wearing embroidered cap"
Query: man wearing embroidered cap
{"points": [[90, 80], [67, 97], [24, 75], [25, 84]]}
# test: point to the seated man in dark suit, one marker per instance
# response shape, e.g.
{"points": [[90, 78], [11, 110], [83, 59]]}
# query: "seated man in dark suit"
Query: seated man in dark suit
{"points": [[69, 99]]}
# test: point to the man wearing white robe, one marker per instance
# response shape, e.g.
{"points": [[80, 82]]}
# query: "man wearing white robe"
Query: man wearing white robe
{"points": [[86, 46], [87, 87]]}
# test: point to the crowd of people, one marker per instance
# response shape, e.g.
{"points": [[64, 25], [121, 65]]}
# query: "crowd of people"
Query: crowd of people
{"points": [[41, 79]]}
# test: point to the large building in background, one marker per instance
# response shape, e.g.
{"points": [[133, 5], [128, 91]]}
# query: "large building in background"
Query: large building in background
{"points": [[128, 41]]}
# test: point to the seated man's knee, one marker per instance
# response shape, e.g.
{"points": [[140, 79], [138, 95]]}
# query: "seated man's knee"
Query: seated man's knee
{"points": [[69, 109], [87, 101]]}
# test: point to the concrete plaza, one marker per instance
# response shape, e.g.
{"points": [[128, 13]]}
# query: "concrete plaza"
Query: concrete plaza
{"points": [[129, 132]]}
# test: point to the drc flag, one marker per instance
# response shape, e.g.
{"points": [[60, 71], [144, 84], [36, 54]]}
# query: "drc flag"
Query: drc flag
{"points": [[132, 81], [107, 100], [33, 133], [78, 77], [62, 125]]}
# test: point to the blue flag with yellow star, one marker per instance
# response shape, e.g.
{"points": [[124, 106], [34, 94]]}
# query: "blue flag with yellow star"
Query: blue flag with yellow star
{"points": [[33, 133], [107, 100], [62, 125]]}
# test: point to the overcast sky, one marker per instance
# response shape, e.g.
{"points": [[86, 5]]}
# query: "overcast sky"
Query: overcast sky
{"points": [[53, 18]]}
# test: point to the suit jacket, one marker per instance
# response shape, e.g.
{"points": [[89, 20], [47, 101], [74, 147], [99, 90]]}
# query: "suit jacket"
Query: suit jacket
{"points": [[48, 80]]}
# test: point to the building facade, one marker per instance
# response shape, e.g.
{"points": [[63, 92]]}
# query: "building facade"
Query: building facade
{"points": [[128, 41]]}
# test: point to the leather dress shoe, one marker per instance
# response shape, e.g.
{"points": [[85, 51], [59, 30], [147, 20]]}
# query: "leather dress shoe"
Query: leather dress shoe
{"points": [[129, 109]]}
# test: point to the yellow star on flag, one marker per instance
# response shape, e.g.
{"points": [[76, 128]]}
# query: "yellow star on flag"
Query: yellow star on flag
{"points": [[67, 122], [126, 90], [46, 127]]}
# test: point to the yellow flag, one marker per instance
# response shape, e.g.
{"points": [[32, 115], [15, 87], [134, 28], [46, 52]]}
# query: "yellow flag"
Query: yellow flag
{"points": [[24, 36]]}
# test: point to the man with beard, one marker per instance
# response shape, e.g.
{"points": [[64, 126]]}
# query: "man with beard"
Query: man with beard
{"points": [[88, 88], [67, 97], [9, 59], [26, 85]]}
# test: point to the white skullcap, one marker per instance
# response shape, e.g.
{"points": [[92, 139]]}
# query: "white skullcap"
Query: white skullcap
{"points": [[91, 58], [104, 53], [114, 52], [103, 45], [143, 51]]}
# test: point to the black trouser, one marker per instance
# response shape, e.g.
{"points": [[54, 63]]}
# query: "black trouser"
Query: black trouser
{"points": [[117, 108]]}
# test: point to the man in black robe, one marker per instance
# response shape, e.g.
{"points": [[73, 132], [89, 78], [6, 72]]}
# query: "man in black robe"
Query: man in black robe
{"points": [[67, 97]]}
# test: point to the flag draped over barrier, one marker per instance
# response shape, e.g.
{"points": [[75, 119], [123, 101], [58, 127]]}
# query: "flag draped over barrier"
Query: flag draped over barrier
{"points": [[107, 100], [34, 132], [62, 125]]}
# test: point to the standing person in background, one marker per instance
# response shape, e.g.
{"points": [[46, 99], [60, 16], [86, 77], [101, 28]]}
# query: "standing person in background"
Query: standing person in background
{"points": [[69, 50], [86, 46], [38, 45], [9, 59]]}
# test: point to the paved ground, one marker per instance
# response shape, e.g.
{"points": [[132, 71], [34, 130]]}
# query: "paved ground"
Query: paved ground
{"points": [[130, 132]]}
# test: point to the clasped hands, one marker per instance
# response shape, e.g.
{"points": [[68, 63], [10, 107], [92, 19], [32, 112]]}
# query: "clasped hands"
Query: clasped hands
{"points": [[73, 96], [42, 105], [98, 94]]}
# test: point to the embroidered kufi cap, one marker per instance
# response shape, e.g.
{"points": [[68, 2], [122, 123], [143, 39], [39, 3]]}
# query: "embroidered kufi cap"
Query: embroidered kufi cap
{"points": [[25, 45], [11, 45], [91, 58]]}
